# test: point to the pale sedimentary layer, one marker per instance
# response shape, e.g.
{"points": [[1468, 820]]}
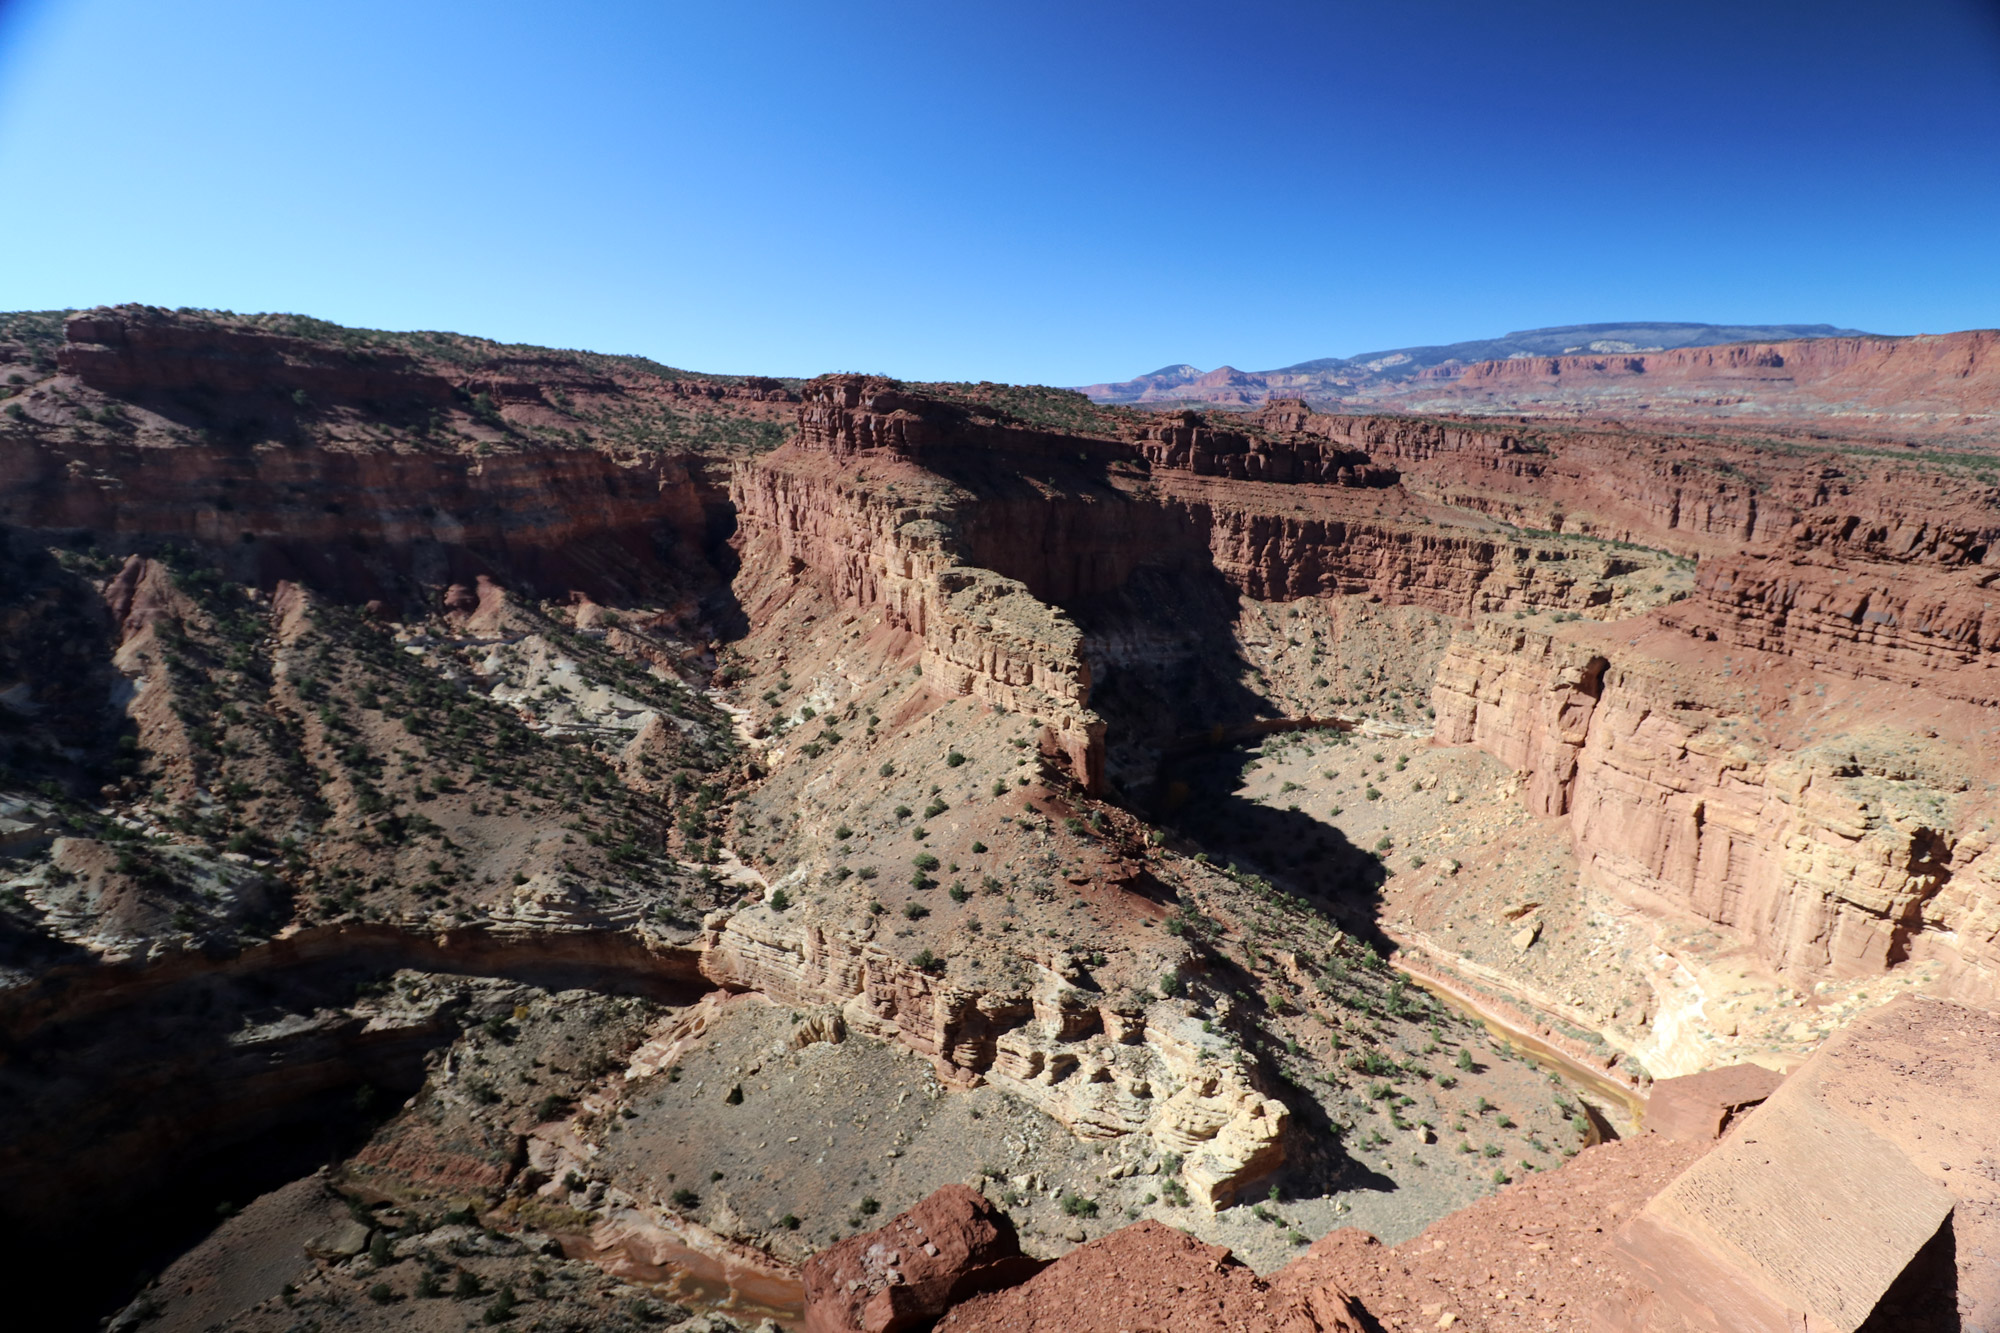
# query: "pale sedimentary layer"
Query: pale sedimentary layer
{"points": [[1103, 1068]]}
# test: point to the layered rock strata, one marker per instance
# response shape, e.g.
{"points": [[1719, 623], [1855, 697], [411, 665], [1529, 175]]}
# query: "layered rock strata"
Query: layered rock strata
{"points": [[1102, 1067], [980, 633], [1837, 854], [950, 1247]]}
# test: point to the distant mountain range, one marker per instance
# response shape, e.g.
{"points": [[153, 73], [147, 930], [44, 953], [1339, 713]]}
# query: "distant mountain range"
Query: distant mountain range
{"points": [[1373, 374]]}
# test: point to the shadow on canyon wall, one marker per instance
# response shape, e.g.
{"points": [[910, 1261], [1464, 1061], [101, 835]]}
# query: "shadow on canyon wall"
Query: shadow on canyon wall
{"points": [[136, 1102]]}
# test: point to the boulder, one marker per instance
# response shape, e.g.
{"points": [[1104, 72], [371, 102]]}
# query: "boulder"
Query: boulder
{"points": [[951, 1246], [1152, 1276], [1698, 1108], [342, 1240]]}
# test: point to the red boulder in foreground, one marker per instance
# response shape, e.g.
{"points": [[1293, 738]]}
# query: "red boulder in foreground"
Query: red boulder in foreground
{"points": [[1149, 1276], [952, 1246], [1698, 1108]]}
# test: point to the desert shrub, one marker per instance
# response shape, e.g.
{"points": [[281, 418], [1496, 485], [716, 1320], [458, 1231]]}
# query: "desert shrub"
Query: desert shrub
{"points": [[502, 1308]]}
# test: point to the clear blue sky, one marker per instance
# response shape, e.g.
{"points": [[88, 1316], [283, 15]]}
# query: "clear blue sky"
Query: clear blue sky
{"points": [[1025, 191]]}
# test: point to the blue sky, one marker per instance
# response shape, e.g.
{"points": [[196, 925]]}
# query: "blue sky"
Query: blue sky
{"points": [[1059, 193]]}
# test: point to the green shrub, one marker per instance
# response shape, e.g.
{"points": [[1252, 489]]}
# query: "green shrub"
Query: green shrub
{"points": [[1075, 1205], [502, 1308], [954, 759], [686, 1198]]}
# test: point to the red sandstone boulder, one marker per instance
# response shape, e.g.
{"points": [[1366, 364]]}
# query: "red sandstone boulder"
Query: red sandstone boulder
{"points": [[1699, 1107], [1149, 1276], [951, 1246]]}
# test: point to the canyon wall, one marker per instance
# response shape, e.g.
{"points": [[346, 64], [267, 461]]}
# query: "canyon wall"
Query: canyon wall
{"points": [[1959, 369], [1841, 834], [971, 535], [980, 633], [1943, 387], [370, 525]]}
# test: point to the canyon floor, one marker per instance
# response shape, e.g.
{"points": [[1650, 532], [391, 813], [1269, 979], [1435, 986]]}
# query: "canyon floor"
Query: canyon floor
{"points": [[506, 836]]}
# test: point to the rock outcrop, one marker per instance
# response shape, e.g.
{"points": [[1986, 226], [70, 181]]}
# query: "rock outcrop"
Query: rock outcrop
{"points": [[1151, 1276], [1700, 1108], [903, 1275], [1102, 1067], [1861, 1189], [1844, 854], [979, 633]]}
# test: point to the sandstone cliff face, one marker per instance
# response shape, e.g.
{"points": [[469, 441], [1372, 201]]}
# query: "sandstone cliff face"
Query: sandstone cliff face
{"points": [[134, 351], [1184, 442], [1940, 386], [982, 634], [369, 525], [964, 532], [1926, 622], [1844, 856]]}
